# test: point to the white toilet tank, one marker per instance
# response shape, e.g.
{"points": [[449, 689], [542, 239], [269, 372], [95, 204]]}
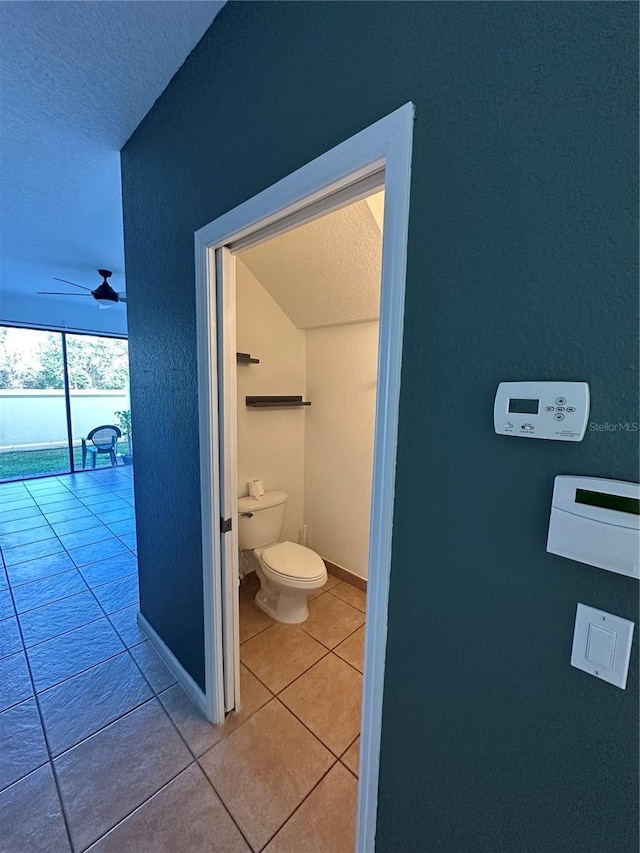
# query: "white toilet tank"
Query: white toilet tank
{"points": [[260, 520]]}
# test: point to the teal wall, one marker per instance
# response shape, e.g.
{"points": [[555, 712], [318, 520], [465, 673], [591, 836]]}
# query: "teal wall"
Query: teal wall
{"points": [[522, 264]]}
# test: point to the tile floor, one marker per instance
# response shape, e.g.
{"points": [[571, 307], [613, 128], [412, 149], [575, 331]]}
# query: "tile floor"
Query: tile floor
{"points": [[101, 749]]}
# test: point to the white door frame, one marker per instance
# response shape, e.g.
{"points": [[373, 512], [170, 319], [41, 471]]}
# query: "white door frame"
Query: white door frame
{"points": [[384, 145]]}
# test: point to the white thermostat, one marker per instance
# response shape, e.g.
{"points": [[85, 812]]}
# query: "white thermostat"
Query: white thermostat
{"points": [[555, 410], [596, 521]]}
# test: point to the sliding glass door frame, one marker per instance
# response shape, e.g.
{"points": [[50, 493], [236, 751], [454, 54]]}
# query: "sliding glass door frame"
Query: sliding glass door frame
{"points": [[67, 391], [67, 402]]}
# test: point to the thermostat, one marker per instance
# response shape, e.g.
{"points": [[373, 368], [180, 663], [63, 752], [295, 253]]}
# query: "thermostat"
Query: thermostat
{"points": [[555, 410]]}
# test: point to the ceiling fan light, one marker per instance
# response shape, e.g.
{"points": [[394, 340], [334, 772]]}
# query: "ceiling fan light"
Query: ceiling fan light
{"points": [[105, 294], [106, 303]]}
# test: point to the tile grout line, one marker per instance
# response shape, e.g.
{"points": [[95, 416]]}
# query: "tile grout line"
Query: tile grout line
{"points": [[57, 536], [300, 804], [336, 759], [77, 627], [324, 775], [137, 707], [326, 650], [75, 568], [125, 650], [196, 760], [73, 594], [317, 737], [156, 696], [348, 769], [105, 615], [329, 591], [144, 802], [44, 731]]}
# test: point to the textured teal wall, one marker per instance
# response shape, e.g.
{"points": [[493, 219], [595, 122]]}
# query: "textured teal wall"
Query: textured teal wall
{"points": [[522, 264]]}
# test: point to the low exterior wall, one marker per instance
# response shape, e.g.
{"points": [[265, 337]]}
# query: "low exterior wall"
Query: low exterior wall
{"points": [[37, 419]]}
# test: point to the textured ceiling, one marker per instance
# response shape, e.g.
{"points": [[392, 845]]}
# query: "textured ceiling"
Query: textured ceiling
{"points": [[76, 78], [327, 272]]}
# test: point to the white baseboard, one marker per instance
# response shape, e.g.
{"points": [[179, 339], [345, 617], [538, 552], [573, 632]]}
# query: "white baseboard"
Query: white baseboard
{"points": [[191, 688]]}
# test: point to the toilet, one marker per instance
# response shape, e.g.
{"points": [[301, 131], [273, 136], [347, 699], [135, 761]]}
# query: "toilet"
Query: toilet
{"points": [[288, 572]]}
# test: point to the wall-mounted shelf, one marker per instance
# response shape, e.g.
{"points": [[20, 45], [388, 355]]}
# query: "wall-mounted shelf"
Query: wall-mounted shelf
{"points": [[276, 402], [245, 358]]}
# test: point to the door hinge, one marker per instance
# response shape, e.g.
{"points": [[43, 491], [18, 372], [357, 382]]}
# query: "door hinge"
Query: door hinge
{"points": [[225, 525]]}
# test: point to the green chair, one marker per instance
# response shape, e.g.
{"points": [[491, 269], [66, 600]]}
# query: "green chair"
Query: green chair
{"points": [[102, 439]]}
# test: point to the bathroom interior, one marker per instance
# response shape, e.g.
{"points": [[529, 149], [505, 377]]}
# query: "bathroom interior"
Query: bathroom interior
{"points": [[307, 309]]}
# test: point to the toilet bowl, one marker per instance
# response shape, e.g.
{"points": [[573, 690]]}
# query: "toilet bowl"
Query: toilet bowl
{"points": [[288, 572]]}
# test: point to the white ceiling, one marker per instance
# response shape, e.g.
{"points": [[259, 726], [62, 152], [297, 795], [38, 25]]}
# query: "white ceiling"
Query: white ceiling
{"points": [[327, 272], [76, 79]]}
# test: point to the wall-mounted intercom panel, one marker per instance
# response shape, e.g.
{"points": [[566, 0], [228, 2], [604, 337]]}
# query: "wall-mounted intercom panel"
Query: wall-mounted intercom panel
{"points": [[596, 521], [552, 410]]}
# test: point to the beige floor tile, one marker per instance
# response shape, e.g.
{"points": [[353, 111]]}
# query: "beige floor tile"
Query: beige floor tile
{"points": [[326, 821], [31, 817], [315, 594], [153, 667], [252, 619], [352, 757], [327, 700], [186, 815], [331, 582], [22, 744], [353, 596], [331, 620], [280, 654], [352, 649], [106, 777], [265, 769], [201, 735]]}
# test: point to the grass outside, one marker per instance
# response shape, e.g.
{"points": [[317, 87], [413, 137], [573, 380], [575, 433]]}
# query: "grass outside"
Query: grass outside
{"points": [[21, 464]]}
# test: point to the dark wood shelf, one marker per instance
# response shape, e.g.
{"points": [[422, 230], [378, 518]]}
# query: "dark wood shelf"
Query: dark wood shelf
{"points": [[245, 358], [276, 402]]}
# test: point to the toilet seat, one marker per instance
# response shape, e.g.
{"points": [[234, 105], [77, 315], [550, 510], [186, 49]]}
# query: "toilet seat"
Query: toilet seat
{"points": [[289, 562]]}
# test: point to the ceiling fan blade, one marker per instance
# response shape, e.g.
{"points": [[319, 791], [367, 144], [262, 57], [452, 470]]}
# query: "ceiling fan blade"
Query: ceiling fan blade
{"points": [[54, 293], [73, 283]]}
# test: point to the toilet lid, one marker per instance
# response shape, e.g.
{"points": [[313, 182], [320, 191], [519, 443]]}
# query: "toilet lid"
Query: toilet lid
{"points": [[294, 561]]}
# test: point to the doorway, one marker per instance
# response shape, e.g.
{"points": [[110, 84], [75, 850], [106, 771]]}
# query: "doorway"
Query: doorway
{"points": [[376, 158]]}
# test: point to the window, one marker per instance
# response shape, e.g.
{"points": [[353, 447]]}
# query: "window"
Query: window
{"points": [[43, 418]]}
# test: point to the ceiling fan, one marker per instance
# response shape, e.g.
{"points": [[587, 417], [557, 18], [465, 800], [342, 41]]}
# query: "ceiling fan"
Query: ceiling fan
{"points": [[104, 293]]}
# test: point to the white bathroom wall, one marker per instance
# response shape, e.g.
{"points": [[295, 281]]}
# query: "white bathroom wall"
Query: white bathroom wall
{"points": [[341, 384], [270, 441]]}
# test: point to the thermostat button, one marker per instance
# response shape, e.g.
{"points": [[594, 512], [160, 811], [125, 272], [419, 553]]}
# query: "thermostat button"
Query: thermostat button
{"points": [[559, 416], [571, 408], [559, 408], [548, 409], [560, 401]]}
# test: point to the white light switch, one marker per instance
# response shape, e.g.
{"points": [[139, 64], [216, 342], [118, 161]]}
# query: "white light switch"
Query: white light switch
{"points": [[602, 644]]}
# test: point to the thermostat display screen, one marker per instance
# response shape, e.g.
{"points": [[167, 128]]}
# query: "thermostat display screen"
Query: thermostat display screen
{"points": [[524, 407], [606, 501]]}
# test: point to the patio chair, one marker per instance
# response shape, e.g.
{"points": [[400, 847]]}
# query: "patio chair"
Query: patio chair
{"points": [[102, 439]]}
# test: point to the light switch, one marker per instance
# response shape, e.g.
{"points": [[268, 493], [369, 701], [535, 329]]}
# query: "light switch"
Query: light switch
{"points": [[602, 644]]}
